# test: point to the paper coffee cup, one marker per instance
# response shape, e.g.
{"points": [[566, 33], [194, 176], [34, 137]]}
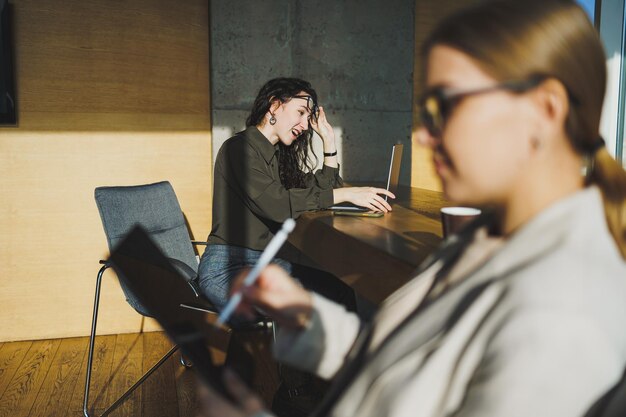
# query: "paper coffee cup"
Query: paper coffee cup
{"points": [[453, 219]]}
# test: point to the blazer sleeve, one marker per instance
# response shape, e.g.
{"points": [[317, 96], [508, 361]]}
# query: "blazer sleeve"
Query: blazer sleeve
{"points": [[537, 364], [322, 347], [246, 172]]}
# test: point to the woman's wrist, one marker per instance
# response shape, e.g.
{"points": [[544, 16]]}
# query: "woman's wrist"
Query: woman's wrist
{"points": [[330, 149], [339, 195], [329, 144]]}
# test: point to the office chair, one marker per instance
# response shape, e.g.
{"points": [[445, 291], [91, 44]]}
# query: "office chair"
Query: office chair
{"points": [[156, 208], [612, 403]]}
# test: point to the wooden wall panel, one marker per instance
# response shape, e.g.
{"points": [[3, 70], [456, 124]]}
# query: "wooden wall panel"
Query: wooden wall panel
{"points": [[138, 56], [109, 93], [427, 14]]}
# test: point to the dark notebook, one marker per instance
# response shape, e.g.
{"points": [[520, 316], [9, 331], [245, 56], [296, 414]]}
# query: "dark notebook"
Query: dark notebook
{"points": [[161, 289]]}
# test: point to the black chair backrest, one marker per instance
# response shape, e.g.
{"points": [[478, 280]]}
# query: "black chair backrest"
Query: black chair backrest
{"points": [[611, 404], [156, 208]]}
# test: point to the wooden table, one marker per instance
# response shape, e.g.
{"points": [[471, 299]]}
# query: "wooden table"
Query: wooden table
{"points": [[374, 255]]}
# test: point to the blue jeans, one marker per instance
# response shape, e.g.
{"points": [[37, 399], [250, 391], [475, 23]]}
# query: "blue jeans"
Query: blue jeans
{"points": [[220, 264]]}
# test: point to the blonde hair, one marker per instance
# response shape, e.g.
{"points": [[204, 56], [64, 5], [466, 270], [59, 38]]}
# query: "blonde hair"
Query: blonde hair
{"points": [[517, 40]]}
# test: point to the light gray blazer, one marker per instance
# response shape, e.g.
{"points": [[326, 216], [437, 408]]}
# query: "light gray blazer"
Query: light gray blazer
{"points": [[539, 329]]}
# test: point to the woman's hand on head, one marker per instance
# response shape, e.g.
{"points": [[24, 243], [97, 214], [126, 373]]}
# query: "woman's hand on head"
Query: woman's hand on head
{"points": [[370, 197], [213, 404], [324, 130], [278, 295]]}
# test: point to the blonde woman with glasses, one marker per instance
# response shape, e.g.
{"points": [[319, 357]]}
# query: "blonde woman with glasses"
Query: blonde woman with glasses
{"points": [[523, 312]]}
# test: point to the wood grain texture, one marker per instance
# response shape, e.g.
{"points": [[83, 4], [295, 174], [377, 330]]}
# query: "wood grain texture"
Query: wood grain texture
{"points": [[47, 377], [109, 93], [21, 393], [53, 399], [159, 397], [127, 368], [140, 56], [104, 350], [186, 386], [11, 357], [374, 255], [250, 356]]}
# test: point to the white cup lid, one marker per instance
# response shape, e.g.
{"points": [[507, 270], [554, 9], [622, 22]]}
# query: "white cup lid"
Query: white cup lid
{"points": [[461, 211]]}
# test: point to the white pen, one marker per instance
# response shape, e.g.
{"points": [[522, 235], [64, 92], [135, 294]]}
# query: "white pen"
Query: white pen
{"points": [[268, 254]]}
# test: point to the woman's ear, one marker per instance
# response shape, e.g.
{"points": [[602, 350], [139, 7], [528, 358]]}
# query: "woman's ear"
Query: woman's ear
{"points": [[274, 105], [553, 101], [551, 106]]}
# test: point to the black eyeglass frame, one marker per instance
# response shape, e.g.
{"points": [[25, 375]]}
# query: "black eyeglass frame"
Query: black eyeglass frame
{"points": [[437, 104]]}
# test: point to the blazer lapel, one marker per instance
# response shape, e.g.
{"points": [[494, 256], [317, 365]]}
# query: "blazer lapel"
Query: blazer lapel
{"points": [[423, 330]]}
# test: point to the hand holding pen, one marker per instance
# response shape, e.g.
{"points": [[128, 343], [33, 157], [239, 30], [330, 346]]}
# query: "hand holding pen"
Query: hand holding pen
{"points": [[268, 254]]}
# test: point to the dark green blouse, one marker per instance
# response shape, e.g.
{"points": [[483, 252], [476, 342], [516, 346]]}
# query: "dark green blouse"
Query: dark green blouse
{"points": [[249, 201]]}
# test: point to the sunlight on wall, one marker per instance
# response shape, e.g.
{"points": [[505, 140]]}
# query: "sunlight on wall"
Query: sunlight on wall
{"points": [[608, 122]]}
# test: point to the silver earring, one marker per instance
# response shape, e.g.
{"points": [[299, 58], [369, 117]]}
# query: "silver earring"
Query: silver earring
{"points": [[587, 166], [272, 120]]}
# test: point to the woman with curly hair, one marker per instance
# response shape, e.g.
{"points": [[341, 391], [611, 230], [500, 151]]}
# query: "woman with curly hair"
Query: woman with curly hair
{"points": [[264, 175]]}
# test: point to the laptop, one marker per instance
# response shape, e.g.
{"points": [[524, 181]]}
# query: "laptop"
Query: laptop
{"points": [[392, 184], [161, 289]]}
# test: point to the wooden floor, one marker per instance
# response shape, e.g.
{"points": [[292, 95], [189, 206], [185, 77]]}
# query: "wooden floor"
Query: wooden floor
{"points": [[47, 377]]}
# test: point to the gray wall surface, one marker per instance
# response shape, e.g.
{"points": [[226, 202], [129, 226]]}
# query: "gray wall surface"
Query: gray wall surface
{"points": [[358, 55]]}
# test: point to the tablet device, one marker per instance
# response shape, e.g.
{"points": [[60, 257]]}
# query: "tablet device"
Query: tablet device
{"points": [[161, 289]]}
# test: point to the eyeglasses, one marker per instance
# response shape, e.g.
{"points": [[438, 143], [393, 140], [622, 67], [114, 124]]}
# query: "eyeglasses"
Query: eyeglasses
{"points": [[436, 106], [311, 105]]}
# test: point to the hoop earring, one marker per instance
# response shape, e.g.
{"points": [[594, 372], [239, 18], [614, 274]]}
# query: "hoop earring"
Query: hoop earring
{"points": [[272, 120]]}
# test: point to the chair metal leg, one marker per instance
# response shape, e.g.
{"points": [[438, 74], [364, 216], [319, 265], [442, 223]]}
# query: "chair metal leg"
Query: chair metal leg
{"points": [[91, 349], [92, 338], [139, 382]]}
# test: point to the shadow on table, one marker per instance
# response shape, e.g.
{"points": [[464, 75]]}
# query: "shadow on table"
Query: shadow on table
{"points": [[426, 238]]}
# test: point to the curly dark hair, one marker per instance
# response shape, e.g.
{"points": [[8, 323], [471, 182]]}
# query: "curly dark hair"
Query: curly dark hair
{"points": [[294, 161]]}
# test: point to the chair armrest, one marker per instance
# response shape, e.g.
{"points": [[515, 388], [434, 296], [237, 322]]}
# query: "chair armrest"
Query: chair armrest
{"points": [[200, 305]]}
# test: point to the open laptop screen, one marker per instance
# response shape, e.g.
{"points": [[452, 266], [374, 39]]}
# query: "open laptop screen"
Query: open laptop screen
{"points": [[393, 178]]}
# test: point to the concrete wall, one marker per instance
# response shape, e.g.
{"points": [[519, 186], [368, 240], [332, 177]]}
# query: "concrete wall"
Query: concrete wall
{"points": [[357, 54]]}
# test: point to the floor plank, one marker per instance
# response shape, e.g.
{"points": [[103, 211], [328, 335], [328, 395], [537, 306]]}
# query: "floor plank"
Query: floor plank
{"points": [[56, 391], [46, 378], [127, 369], [159, 390], [22, 391], [11, 356], [186, 380], [104, 348], [185, 390], [250, 355]]}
